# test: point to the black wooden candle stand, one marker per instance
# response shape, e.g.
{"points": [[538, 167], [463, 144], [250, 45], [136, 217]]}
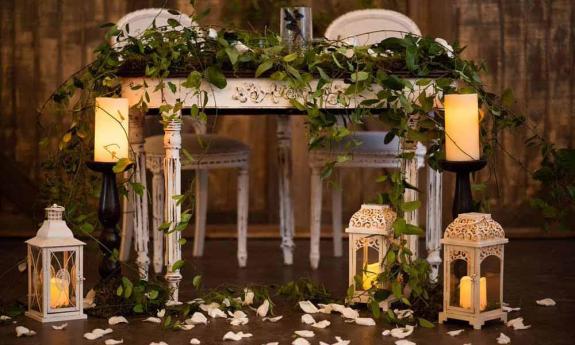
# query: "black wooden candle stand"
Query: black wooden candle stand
{"points": [[463, 200]]}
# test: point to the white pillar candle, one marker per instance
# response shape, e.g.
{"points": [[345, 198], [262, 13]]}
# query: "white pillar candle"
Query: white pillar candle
{"points": [[461, 127], [111, 129]]}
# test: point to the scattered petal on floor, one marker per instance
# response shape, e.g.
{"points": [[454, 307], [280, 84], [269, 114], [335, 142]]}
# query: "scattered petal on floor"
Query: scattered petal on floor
{"points": [[173, 303], [308, 307], [60, 327], [89, 299], [322, 324], [402, 314], [236, 336], [273, 319], [239, 321], [186, 327], [300, 341], [153, 319], [263, 309], [305, 334], [546, 302], [402, 332], [215, 313], [161, 313], [5, 318], [206, 307], [340, 341], [517, 324], [248, 297], [503, 339], [194, 341], [160, 343], [325, 308], [346, 312], [23, 331], [508, 309], [404, 342], [307, 319], [365, 321], [113, 341], [456, 332], [97, 333], [114, 320], [226, 302], [386, 332], [272, 343], [196, 319]]}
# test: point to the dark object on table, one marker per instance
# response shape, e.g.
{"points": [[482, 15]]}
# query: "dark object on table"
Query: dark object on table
{"points": [[462, 200]]}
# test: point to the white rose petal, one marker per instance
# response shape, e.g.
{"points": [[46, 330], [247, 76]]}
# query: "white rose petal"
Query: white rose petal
{"points": [[340, 341], [305, 334], [60, 327], [322, 324], [5, 318], [456, 332], [186, 327], [215, 313], [300, 341], [153, 319], [161, 313], [273, 319], [160, 343], [503, 339], [517, 324], [448, 48], [402, 332], [194, 341], [325, 308], [404, 342], [248, 297], [272, 343], [236, 336], [346, 312], [546, 302], [386, 332], [508, 309], [365, 321], [403, 314], [196, 319], [213, 34], [22, 266], [173, 303], [113, 341], [114, 320], [207, 307], [240, 47], [307, 319], [23, 331], [308, 307], [263, 309], [97, 333]]}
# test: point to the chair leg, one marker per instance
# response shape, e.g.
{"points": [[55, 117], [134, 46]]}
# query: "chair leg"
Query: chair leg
{"points": [[158, 219], [127, 228], [336, 192], [243, 204], [201, 210], [315, 217]]}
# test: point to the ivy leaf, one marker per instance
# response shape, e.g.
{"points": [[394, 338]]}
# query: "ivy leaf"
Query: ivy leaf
{"points": [[153, 294], [215, 76], [424, 323], [177, 265], [322, 74], [233, 55], [193, 81], [359, 76], [128, 287], [138, 309], [410, 205], [197, 281], [396, 289], [87, 228], [122, 165], [119, 290], [263, 67], [290, 57]]}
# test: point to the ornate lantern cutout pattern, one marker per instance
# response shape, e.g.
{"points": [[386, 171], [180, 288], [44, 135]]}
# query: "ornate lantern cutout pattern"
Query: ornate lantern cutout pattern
{"points": [[55, 271], [473, 270], [368, 232]]}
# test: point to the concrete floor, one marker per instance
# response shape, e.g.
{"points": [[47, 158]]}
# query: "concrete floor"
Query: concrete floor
{"points": [[534, 269]]}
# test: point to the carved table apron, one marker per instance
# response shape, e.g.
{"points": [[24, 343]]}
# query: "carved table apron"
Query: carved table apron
{"points": [[241, 96]]}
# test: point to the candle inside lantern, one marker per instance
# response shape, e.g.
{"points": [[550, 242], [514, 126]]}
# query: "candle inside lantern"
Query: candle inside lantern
{"points": [[369, 276], [59, 293], [461, 127], [111, 129], [465, 296]]}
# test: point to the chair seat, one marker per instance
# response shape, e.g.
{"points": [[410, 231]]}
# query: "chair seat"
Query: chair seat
{"points": [[207, 150], [371, 152]]}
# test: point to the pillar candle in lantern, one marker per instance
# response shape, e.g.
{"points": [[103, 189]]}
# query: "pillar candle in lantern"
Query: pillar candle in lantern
{"points": [[59, 293], [465, 297], [370, 274], [461, 127], [111, 129]]}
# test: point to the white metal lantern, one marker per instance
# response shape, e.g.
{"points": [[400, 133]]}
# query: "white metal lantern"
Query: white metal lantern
{"points": [[368, 231], [473, 270], [55, 271]]}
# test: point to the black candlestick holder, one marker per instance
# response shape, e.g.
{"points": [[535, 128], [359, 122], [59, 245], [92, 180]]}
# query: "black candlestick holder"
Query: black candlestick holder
{"points": [[463, 199], [109, 213]]}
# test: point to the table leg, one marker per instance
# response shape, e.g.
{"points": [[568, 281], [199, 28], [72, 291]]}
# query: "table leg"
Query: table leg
{"points": [[410, 172], [433, 222], [172, 215], [140, 202], [285, 173]]}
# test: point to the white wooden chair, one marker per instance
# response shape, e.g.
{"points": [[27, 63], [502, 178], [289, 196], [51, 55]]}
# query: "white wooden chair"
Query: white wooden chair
{"points": [[361, 28], [209, 152]]}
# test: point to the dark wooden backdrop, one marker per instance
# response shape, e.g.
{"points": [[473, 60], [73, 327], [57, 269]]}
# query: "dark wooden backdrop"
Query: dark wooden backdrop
{"points": [[528, 45]]}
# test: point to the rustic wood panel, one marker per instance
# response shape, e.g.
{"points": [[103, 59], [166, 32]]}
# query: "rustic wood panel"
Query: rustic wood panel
{"points": [[528, 45]]}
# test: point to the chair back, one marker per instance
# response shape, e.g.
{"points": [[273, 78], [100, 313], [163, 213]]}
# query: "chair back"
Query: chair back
{"points": [[363, 27]]}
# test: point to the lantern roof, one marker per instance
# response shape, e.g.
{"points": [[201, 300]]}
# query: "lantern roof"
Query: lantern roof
{"points": [[372, 219], [474, 228], [54, 232]]}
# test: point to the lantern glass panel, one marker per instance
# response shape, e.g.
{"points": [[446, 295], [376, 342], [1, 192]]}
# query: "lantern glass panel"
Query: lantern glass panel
{"points": [[491, 279], [36, 278], [63, 279], [367, 262], [460, 285]]}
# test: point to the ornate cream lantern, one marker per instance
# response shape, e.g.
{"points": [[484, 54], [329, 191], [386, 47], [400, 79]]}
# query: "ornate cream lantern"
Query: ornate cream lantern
{"points": [[473, 270], [55, 271], [368, 231]]}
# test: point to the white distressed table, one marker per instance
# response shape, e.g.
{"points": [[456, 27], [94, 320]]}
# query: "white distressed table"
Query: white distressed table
{"points": [[241, 96]]}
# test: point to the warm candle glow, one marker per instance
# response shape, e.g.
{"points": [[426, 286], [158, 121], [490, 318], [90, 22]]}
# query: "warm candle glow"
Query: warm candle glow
{"points": [[370, 274], [461, 127], [465, 297], [111, 129], [59, 293]]}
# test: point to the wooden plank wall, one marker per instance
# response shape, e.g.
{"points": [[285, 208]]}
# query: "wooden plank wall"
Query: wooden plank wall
{"points": [[527, 44]]}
